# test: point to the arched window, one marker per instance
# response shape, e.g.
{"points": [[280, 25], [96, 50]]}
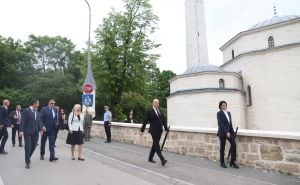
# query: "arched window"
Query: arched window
{"points": [[271, 42], [221, 84], [232, 54], [249, 96]]}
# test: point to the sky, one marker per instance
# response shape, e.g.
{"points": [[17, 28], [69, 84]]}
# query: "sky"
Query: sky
{"points": [[69, 18]]}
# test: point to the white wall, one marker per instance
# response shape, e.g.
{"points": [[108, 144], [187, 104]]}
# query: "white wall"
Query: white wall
{"points": [[274, 78], [258, 39], [205, 80], [200, 109]]}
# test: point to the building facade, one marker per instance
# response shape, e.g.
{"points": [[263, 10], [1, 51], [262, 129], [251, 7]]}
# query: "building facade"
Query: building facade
{"points": [[258, 79]]}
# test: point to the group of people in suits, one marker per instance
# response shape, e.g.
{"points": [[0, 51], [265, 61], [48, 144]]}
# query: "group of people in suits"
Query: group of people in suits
{"points": [[34, 122], [31, 122], [157, 121]]}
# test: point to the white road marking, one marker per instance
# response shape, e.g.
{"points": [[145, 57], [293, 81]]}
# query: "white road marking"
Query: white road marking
{"points": [[204, 169], [140, 168], [1, 181]]}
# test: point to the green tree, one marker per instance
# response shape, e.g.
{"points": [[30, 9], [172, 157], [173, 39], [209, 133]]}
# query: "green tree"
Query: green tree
{"points": [[54, 85], [135, 102], [162, 87], [123, 51], [15, 63], [50, 53]]}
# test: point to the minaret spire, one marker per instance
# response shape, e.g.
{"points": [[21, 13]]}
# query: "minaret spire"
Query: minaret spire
{"points": [[196, 43]]}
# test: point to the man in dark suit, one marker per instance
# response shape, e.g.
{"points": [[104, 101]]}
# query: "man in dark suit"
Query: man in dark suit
{"points": [[50, 120], [4, 123], [16, 120], [225, 132], [156, 118], [30, 126]]}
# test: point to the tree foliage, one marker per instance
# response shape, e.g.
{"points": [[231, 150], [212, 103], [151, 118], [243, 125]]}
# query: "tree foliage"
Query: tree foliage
{"points": [[123, 51], [123, 58]]}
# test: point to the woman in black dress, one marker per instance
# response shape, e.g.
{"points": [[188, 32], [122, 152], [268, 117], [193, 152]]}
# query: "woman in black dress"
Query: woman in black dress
{"points": [[75, 136]]}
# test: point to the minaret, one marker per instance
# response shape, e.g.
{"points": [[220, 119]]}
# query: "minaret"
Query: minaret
{"points": [[196, 44]]}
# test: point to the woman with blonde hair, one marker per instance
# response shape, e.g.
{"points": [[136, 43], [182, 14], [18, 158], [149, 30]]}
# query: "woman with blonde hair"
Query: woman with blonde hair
{"points": [[75, 136]]}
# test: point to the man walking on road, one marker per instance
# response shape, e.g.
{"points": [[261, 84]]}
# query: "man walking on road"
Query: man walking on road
{"points": [[16, 120], [49, 119], [155, 117], [29, 128], [4, 123]]}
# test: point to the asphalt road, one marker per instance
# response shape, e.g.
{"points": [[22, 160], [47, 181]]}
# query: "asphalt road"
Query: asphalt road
{"points": [[121, 164]]}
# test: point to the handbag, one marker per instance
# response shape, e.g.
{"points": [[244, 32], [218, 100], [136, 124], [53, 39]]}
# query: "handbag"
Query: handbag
{"points": [[68, 141]]}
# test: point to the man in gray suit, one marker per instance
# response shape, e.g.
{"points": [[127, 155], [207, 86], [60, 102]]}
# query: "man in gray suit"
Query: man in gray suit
{"points": [[30, 126]]}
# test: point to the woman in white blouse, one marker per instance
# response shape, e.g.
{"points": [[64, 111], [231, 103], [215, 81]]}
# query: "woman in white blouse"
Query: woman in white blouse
{"points": [[75, 136]]}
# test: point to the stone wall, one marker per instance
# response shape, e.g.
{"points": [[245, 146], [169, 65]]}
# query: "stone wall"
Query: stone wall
{"points": [[278, 151]]}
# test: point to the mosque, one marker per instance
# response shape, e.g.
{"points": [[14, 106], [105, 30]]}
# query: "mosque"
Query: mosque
{"points": [[259, 77]]}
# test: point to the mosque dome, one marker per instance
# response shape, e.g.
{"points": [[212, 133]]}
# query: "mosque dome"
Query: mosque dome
{"points": [[274, 20], [203, 68]]}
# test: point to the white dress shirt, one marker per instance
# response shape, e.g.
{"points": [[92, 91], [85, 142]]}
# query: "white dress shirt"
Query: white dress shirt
{"points": [[227, 116], [156, 111]]}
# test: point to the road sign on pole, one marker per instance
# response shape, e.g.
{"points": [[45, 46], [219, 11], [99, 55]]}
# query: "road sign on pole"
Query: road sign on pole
{"points": [[87, 100]]}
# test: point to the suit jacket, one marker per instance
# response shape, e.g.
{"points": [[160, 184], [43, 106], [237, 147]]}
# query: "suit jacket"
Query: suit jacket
{"points": [[30, 125], [4, 117], [13, 119], [87, 120], [223, 125], [47, 118], [156, 122]]}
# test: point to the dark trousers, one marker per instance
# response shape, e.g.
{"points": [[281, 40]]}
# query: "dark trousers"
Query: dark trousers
{"points": [[232, 148], [87, 133], [30, 141], [3, 137], [107, 130], [56, 132], [13, 134], [155, 147], [51, 136]]}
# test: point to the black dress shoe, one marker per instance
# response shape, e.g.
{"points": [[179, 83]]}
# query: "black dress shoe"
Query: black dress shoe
{"points": [[13, 145], [20, 145], [223, 165], [53, 159], [151, 161], [27, 166], [80, 159], [233, 165], [42, 157], [3, 153], [163, 162], [107, 142]]}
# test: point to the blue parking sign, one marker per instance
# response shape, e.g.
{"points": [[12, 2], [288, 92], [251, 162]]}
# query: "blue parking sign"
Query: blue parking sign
{"points": [[87, 99]]}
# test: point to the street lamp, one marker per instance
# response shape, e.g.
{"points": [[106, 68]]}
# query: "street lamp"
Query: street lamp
{"points": [[89, 39], [89, 86]]}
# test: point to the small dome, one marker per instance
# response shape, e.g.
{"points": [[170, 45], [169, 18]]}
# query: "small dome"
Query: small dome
{"points": [[203, 68], [274, 20]]}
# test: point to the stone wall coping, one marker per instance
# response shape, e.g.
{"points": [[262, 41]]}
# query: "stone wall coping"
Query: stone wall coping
{"points": [[241, 132]]}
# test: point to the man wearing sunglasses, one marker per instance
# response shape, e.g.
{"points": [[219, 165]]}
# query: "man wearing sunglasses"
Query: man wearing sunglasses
{"points": [[49, 119]]}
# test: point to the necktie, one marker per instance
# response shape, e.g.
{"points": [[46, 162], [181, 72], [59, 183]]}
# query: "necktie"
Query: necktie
{"points": [[18, 117], [157, 112]]}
